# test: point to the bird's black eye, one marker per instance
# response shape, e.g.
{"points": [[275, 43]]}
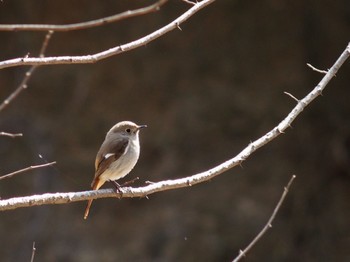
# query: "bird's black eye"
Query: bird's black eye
{"points": [[128, 130]]}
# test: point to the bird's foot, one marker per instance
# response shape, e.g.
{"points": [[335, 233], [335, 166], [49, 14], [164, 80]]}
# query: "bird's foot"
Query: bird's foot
{"points": [[117, 188]]}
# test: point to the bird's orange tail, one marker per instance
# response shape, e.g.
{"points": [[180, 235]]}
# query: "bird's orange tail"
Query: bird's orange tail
{"points": [[87, 209], [96, 184]]}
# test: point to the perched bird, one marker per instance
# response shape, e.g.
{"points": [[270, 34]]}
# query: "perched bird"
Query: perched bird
{"points": [[117, 156]]}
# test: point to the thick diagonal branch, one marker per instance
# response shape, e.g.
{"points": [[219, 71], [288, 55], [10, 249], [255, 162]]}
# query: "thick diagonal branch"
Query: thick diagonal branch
{"points": [[62, 198]]}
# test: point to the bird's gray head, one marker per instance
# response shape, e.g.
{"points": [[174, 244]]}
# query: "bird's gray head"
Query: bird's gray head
{"points": [[125, 128]]}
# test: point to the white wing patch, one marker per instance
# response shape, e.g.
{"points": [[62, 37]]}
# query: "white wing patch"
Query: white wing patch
{"points": [[108, 155]]}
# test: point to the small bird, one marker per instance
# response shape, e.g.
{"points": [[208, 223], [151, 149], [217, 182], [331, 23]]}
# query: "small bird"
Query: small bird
{"points": [[117, 156]]}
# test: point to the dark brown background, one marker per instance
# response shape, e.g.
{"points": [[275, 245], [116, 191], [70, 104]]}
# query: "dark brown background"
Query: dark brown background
{"points": [[205, 92]]}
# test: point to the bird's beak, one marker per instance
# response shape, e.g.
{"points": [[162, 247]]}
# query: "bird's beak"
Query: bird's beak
{"points": [[141, 126]]}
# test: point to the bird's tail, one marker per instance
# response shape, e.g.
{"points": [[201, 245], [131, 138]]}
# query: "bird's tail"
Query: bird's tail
{"points": [[96, 184]]}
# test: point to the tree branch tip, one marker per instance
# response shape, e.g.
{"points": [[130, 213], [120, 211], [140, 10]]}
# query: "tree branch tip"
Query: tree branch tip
{"points": [[290, 182], [178, 26], [293, 97], [189, 2], [26, 169], [44, 165], [348, 48], [33, 252], [316, 69], [10, 134]]}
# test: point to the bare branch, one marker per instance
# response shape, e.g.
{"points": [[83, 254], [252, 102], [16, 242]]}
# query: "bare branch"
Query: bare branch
{"points": [[23, 85], [33, 252], [268, 224], [10, 134], [45, 43], [84, 25], [85, 59], [62, 198], [189, 2], [26, 169], [290, 95], [315, 69]]}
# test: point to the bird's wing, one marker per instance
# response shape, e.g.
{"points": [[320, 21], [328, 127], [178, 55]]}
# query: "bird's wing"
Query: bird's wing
{"points": [[113, 151]]}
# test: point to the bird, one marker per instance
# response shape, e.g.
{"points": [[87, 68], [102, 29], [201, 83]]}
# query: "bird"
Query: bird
{"points": [[117, 155]]}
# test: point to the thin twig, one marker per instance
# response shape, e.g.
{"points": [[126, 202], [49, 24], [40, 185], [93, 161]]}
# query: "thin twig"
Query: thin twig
{"points": [[85, 59], [62, 198], [10, 134], [24, 84], [268, 225], [315, 69], [189, 2], [289, 94], [33, 252], [45, 43], [84, 25], [26, 169]]}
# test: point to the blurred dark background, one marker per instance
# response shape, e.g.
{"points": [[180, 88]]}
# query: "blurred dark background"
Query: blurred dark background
{"points": [[205, 92]]}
